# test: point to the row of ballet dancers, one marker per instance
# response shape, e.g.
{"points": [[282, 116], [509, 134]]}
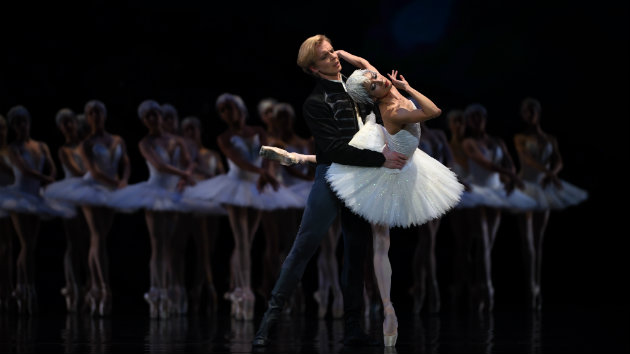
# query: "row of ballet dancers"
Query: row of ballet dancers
{"points": [[189, 189]]}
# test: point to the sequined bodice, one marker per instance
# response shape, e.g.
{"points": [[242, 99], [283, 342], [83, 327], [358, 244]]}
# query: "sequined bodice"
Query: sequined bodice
{"points": [[482, 176], [163, 179], [25, 183], [78, 160], [542, 154], [249, 149], [405, 141], [106, 160]]}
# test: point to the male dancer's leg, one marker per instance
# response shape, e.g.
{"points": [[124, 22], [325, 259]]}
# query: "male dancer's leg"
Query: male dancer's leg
{"points": [[320, 212], [356, 238]]}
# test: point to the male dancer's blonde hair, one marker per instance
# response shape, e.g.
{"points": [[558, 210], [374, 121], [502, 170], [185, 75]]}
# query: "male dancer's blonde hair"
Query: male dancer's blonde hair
{"points": [[307, 55]]}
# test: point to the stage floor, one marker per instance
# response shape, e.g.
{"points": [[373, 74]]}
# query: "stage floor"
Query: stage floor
{"points": [[555, 330]]}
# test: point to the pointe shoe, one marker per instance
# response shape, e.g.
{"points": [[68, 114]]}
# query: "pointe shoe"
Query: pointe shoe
{"points": [[92, 298], [105, 304], [390, 326], [164, 303], [337, 306], [152, 298], [284, 157], [322, 304], [236, 298], [249, 301], [71, 298]]}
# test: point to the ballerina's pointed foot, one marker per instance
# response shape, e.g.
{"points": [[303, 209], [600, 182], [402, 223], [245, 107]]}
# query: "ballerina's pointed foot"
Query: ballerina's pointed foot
{"points": [[284, 157], [390, 326]]}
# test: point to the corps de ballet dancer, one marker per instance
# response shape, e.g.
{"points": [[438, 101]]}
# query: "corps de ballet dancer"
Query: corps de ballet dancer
{"points": [[105, 156]]}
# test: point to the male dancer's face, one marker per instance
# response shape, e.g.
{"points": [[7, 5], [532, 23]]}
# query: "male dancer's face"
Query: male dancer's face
{"points": [[327, 64]]}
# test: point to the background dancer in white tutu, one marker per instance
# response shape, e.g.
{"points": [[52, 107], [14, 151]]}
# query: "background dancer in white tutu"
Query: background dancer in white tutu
{"points": [[540, 162], [33, 167], [247, 188], [160, 198], [105, 156], [423, 190], [492, 176], [205, 225], [6, 229], [77, 233]]}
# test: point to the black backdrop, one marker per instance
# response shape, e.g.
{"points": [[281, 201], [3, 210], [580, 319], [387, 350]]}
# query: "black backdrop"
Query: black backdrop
{"points": [[570, 56]]}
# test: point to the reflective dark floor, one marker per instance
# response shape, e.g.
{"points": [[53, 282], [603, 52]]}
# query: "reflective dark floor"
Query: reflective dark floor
{"points": [[556, 330]]}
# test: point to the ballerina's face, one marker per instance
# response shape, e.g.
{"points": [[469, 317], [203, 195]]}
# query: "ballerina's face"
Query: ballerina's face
{"points": [[21, 126], [69, 126], [377, 85], [191, 131], [229, 113], [529, 114], [152, 119], [95, 117]]}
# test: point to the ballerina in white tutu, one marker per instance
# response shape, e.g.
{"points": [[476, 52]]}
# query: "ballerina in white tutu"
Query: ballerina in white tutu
{"points": [[6, 229], [104, 155], [540, 162], [205, 227], [33, 167], [247, 188], [76, 230], [423, 190], [492, 176], [160, 199]]}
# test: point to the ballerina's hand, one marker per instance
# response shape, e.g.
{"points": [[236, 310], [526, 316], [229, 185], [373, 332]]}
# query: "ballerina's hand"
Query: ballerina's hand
{"points": [[401, 84]]}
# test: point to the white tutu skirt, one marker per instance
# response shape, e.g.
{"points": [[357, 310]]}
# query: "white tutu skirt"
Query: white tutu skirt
{"points": [[423, 190], [228, 189], [15, 200], [497, 197], [79, 191], [302, 189], [552, 197], [148, 196]]}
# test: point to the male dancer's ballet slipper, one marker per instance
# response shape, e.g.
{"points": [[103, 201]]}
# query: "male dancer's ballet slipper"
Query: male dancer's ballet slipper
{"points": [[284, 157]]}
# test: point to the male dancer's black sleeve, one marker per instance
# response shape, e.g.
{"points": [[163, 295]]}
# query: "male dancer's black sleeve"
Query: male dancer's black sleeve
{"points": [[331, 139]]}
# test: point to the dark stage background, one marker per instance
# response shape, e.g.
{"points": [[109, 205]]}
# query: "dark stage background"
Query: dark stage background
{"points": [[571, 56]]}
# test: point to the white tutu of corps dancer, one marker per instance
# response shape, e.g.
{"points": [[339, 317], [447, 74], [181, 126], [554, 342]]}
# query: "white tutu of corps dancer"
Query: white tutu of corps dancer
{"points": [[159, 193], [87, 190], [550, 196], [424, 189], [25, 195], [489, 190], [238, 187], [554, 198]]}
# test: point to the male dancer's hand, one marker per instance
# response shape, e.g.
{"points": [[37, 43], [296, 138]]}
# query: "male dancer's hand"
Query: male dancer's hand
{"points": [[393, 159]]}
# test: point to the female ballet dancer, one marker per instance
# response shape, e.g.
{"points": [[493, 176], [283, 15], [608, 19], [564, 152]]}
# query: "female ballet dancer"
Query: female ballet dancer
{"points": [[33, 167], [492, 176], [540, 162], [434, 143], [160, 198], [423, 190], [205, 226], [76, 229], [104, 155], [6, 230], [247, 188]]}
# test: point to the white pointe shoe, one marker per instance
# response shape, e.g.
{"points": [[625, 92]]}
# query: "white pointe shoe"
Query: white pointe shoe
{"points": [[390, 330]]}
